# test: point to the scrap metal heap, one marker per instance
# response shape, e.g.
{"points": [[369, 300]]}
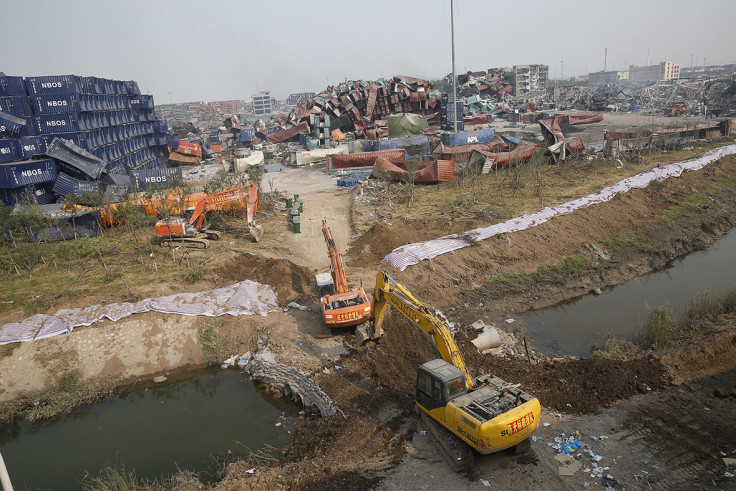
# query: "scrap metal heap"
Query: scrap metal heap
{"points": [[360, 105], [718, 94]]}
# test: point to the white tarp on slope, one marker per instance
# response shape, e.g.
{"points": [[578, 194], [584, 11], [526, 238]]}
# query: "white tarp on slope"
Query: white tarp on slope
{"points": [[411, 254], [244, 298]]}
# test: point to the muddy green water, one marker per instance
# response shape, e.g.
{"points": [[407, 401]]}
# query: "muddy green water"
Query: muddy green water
{"points": [[186, 422], [570, 328]]}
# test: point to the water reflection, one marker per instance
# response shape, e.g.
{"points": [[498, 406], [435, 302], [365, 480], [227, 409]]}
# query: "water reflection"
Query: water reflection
{"points": [[571, 327], [153, 429]]}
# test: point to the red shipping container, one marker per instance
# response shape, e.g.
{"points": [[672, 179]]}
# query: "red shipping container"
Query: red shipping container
{"points": [[188, 148]]}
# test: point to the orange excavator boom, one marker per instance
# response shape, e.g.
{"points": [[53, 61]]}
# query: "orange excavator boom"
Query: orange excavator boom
{"points": [[338, 273], [345, 307]]}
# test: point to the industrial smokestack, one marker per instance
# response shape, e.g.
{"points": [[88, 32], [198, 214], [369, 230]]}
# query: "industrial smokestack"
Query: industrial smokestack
{"points": [[605, 59]]}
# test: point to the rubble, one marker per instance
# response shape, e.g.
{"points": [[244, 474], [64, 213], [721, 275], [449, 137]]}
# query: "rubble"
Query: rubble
{"points": [[716, 95], [294, 384]]}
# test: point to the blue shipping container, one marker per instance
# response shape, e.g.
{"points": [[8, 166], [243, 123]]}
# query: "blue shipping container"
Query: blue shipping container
{"points": [[66, 184], [11, 126], [26, 194], [143, 101], [23, 173], [75, 160], [53, 123], [468, 138], [52, 104], [58, 84], [131, 87], [15, 105], [9, 150], [69, 225], [12, 86], [28, 146], [248, 134], [142, 178]]}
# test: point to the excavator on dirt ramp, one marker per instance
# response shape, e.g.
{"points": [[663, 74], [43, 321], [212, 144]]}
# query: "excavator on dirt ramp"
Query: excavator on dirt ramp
{"points": [[485, 413], [341, 307]]}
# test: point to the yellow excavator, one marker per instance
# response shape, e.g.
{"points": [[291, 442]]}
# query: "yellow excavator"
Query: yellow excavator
{"points": [[486, 413]]}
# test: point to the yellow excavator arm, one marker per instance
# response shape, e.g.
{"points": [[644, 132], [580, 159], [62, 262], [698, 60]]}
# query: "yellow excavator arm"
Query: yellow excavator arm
{"points": [[390, 291]]}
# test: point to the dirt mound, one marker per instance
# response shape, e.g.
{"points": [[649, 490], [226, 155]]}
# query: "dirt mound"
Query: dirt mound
{"points": [[393, 362], [701, 358], [572, 385], [382, 238], [292, 283]]}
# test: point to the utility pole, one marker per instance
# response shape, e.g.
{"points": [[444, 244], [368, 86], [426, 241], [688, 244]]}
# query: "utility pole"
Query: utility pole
{"points": [[454, 76]]}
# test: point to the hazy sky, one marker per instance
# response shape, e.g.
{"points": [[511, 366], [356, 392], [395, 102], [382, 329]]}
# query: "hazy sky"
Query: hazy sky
{"points": [[216, 50]]}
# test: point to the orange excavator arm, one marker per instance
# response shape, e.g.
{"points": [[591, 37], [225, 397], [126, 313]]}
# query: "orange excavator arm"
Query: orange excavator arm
{"points": [[235, 198], [338, 273]]}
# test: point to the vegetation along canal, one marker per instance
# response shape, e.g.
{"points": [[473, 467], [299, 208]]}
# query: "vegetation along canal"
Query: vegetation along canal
{"points": [[184, 422], [570, 328]]}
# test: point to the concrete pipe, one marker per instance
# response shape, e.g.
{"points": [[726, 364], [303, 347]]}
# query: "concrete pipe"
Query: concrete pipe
{"points": [[488, 339]]}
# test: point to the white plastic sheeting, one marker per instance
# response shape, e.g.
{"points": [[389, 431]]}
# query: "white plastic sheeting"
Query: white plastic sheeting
{"points": [[411, 254], [244, 298]]}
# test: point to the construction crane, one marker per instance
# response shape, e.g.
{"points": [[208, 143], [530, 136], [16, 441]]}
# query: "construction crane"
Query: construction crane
{"points": [[341, 306], [195, 232], [483, 413]]}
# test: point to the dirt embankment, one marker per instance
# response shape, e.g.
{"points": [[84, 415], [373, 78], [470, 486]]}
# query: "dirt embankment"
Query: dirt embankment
{"points": [[641, 230]]}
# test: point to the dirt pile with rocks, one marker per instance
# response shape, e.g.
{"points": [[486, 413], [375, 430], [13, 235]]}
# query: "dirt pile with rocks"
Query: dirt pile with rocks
{"points": [[292, 283]]}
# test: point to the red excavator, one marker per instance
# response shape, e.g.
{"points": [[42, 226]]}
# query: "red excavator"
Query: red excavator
{"points": [[194, 232], [340, 307]]}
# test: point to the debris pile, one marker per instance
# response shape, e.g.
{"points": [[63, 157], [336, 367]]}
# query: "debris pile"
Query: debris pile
{"points": [[295, 385], [574, 455], [716, 95], [360, 105]]}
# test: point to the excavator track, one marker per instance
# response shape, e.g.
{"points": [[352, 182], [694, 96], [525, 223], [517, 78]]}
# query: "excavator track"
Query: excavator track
{"points": [[456, 452], [189, 242]]}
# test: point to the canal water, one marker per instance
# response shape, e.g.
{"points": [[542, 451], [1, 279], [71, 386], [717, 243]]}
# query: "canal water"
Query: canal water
{"points": [[186, 422], [571, 327]]}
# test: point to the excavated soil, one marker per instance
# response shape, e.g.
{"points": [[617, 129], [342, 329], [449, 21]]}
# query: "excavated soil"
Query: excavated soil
{"points": [[291, 282], [382, 238]]}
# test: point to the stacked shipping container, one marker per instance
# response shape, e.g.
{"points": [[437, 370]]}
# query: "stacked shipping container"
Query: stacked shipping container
{"points": [[110, 119]]}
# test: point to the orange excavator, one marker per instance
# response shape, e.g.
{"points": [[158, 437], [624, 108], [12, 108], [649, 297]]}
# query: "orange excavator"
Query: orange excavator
{"points": [[340, 307], [195, 232]]}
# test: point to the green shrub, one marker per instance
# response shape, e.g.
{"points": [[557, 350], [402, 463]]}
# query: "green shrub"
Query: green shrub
{"points": [[659, 329], [576, 264]]}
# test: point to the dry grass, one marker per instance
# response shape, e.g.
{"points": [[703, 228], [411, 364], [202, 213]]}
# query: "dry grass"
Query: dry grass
{"points": [[529, 187]]}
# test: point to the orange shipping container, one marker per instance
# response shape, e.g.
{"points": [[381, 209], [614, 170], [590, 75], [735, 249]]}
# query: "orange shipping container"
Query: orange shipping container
{"points": [[188, 148]]}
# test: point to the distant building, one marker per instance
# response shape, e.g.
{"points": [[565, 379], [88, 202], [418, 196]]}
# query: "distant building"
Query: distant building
{"points": [[666, 70], [262, 103], [527, 78], [294, 99], [611, 76]]}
